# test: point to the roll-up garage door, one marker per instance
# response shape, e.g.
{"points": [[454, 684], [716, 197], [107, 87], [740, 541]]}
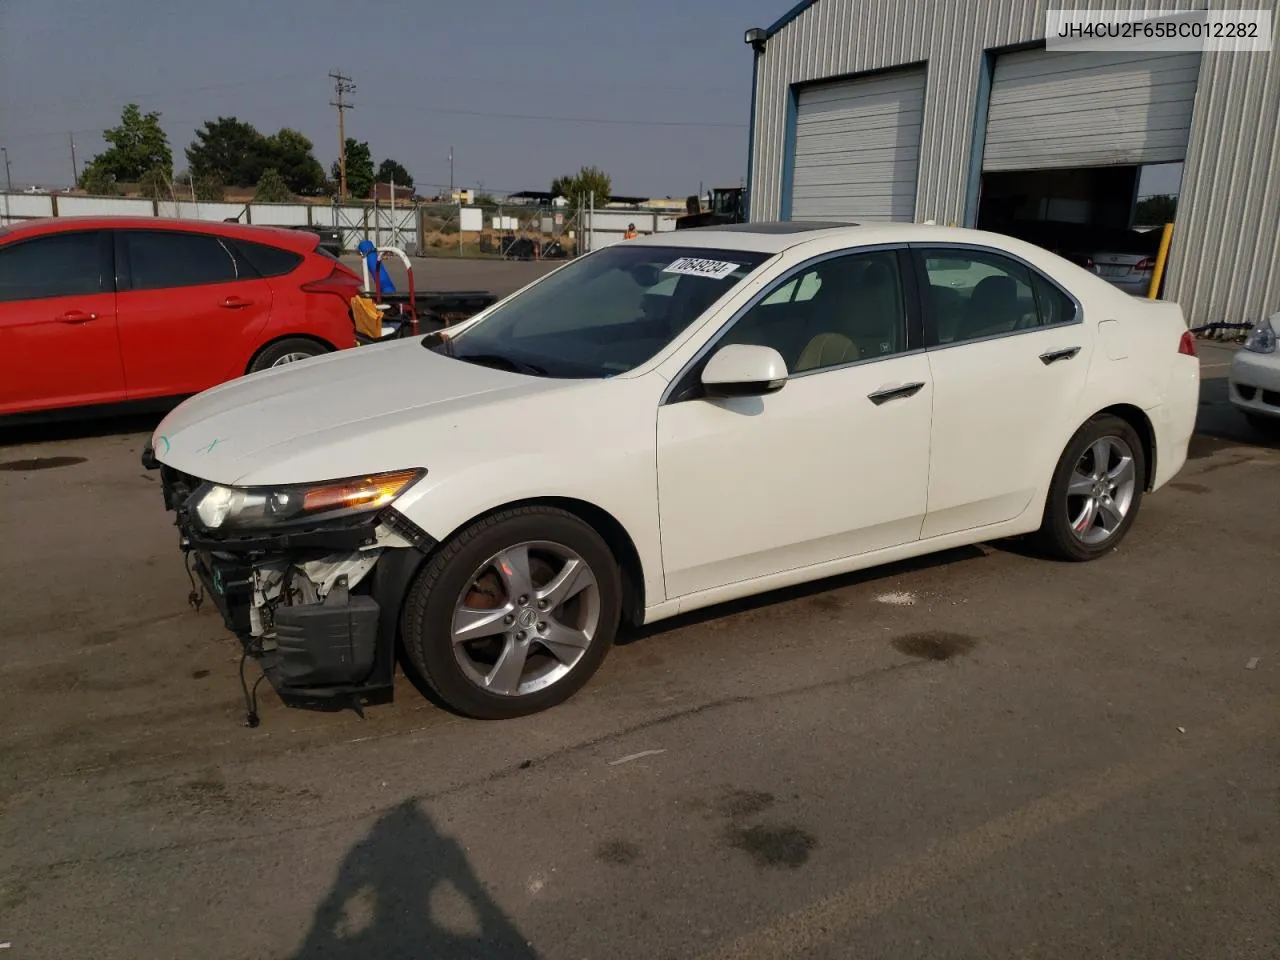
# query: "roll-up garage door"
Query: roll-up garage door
{"points": [[1063, 109], [857, 148]]}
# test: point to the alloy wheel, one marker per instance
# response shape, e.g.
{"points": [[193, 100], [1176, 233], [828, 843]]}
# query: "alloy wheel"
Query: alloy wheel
{"points": [[525, 618], [1101, 490]]}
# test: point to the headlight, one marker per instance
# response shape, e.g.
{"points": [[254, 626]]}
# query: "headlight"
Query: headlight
{"points": [[1262, 338], [238, 508]]}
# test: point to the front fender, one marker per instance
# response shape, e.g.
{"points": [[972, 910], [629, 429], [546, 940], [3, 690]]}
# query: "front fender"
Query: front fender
{"points": [[622, 484]]}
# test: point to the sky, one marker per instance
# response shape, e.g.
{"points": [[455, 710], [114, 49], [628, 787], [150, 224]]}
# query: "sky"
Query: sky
{"points": [[521, 90]]}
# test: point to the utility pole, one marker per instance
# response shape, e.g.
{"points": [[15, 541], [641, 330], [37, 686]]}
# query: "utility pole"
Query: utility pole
{"points": [[451, 173], [342, 85], [8, 179], [75, 170]]}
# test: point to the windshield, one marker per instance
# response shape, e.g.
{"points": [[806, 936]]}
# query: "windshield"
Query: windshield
{"points": [[603, 314]]}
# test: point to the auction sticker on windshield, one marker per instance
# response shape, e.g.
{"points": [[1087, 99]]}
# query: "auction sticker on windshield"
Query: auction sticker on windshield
{"points": [[696, 267]]}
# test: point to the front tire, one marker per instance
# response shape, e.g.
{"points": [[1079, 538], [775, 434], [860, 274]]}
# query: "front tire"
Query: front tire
{"points": [[514, 614], [1096, 491]]}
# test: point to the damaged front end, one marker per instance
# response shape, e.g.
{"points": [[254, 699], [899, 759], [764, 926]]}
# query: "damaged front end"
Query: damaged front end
{"points": [[310, 578]]}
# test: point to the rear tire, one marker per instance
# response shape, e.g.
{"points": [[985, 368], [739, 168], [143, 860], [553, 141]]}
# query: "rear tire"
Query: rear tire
{"points": [[1096, 491], [286, 351], [489, 598]]}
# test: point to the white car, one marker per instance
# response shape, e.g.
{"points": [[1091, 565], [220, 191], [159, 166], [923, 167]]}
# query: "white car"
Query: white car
{"points": [[1255, 377], [663, 425]]}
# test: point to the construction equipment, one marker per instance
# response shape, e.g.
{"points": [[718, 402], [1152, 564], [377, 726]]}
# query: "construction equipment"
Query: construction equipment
{"points": [[727, 206]]}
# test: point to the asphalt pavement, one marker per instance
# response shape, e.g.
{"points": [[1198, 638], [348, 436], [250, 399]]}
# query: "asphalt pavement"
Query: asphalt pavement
{"points": [[981, 754]]}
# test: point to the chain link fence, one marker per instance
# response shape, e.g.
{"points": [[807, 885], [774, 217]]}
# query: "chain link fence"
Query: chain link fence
{"points": [[511, 232]]}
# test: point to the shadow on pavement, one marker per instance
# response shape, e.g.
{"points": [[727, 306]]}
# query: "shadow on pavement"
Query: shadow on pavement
{"points": [[1219, 421], [406, 891], [83, 429], [800, 591]]}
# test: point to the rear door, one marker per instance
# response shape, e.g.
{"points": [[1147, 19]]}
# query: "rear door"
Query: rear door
{"points": [[191, 311], [1009, 355], [58, 342]]}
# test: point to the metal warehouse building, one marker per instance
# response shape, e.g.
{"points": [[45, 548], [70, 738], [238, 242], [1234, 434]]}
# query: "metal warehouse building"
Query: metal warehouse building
{"points": [[954, 111]]}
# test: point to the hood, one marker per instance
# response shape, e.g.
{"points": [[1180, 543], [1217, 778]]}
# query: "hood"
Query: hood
{"points": [[362, 410]]}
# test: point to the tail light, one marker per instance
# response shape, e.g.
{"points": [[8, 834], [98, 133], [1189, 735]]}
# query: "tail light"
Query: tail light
{"points": [[340, 282], [1088, 263], [1187, 345], [1143, 265]]}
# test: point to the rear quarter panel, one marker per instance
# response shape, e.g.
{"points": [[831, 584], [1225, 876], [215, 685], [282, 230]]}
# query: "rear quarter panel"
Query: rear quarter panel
{"points": [[296, 313], [1137, 363]]}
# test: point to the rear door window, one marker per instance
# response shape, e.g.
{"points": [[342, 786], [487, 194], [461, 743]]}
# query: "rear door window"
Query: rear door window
{"points": [[160, 259], [58, 265]]}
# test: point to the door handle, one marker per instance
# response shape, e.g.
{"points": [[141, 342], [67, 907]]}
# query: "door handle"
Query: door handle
{"points": [[1053, 356], [236, 303], [886, 394], [77, 317]]}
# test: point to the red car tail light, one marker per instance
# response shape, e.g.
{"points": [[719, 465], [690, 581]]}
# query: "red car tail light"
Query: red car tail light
{"points": [[1143, 265], [339, 282], [1187, 345]]}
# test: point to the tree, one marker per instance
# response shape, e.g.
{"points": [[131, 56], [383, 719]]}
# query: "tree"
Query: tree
{"points": [[136, 146], [579, 187], [229, 149], [97, 181], [154, 184], [289, 152], [393, 171], [272, 188], [359, 169], [208, 188], [1156, 210]]}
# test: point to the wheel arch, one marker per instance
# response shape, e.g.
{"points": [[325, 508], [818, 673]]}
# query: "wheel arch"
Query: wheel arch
{"points": [[321, 341], [610, 529], [1137, 418]]}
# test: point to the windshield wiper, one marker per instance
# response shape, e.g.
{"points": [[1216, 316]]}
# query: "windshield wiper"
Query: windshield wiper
{"points": [[502, 363]]}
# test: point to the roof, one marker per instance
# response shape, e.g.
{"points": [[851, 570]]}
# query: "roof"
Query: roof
{"points": [[775, 237], [297, 239], [787, 17]]}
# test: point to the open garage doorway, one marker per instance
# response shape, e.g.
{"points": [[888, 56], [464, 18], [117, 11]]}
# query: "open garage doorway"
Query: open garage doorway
{"points": [[1082, 153], [1106, 219]]}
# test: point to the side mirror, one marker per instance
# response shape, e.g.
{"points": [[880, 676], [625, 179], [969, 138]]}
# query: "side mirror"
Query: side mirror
{"points": [[744, 370]]}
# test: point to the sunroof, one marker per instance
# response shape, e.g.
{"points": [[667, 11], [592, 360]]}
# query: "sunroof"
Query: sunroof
{"points": [[781, 226]]}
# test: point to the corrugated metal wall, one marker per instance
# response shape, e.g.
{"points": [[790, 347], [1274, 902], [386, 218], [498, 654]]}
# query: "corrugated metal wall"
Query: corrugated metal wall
{"points": [[1223, 266]]}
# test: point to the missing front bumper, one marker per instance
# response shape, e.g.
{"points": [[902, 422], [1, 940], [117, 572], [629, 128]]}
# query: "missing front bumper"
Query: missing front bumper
{"points": [[331, 643]]}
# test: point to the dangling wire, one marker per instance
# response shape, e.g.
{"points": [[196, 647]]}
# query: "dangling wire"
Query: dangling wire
{"points": [[250, 696], [196, 596]]}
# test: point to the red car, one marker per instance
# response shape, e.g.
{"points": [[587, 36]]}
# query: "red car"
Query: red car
{"points": [[109, 310]]}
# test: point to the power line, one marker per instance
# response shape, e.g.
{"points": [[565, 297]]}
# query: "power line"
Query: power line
{"points": [[616, 121], [342, 85]]}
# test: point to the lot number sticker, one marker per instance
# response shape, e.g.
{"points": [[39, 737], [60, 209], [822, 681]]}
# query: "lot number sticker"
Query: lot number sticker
{"points": [[695, 267]]}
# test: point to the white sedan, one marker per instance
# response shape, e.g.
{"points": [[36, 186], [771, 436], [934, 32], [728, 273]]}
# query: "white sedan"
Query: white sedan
{"points": [[1255, 377], [660, 426]]}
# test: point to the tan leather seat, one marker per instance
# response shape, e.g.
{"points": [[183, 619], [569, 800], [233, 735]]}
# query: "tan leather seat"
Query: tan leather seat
{"points": [[827, 350]]}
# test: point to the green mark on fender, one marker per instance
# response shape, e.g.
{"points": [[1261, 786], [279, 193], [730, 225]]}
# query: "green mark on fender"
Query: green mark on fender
{"points": [[209, 448], [165, 440]]}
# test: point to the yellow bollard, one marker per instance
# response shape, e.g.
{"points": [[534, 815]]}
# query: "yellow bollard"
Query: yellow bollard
{"points": [[1158, 274]]}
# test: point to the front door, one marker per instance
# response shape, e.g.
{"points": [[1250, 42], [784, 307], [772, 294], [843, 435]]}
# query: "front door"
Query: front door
{"points": [[1009, 355], [191, 311], [58, 342], [834, 465]]}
